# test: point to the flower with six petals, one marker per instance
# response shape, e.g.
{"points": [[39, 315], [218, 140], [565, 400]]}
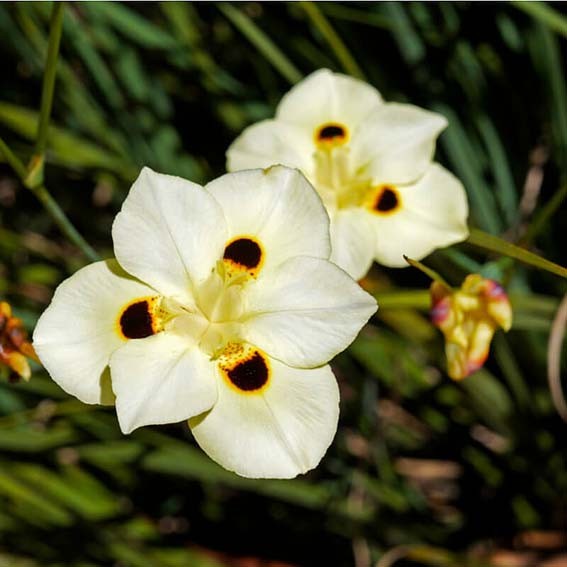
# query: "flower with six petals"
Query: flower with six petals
{"points": [[469, 318], [221, 308], [371, 163]]}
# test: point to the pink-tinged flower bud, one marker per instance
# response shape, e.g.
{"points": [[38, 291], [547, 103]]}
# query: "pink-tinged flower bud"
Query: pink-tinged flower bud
{"points": [[14, 346], [469, 318]]}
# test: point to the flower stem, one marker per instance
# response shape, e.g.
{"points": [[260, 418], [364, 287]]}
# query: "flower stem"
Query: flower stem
{"points": [[427, 271], [56, 27], [499, 246], [49, 203], [420, 299]]}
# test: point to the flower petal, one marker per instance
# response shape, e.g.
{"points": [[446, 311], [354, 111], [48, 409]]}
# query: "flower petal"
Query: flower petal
{"points": [[269, 142], [353, 242], [278, 207], [397, 142], [169, 233], [325, 97], [280, 432], [161, 379], [77, 333], [306, 311], [433, 214]]}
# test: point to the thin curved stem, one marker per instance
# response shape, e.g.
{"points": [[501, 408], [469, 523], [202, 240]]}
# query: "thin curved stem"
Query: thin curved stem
{"points": [[50, 204]]}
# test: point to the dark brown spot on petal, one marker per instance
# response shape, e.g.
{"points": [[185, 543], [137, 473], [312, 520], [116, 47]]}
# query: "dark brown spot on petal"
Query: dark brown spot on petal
{"points": [[136, 321], [386, 201], [250, 374], [245, 252], [331, 133]]}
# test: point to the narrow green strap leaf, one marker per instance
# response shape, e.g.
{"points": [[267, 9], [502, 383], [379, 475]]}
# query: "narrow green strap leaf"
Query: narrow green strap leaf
{"points": [[340, 12], [499, 246], [333, 39], [262, 42], [542, 12]]}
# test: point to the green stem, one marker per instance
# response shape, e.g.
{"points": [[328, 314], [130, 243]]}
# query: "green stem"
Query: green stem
{"points": [[427, 271], [50, 204], [57, 214], [262, 42], [13, 160], [56, 27], [499, 246], [416, 299], [333, 39], [419, 299]]}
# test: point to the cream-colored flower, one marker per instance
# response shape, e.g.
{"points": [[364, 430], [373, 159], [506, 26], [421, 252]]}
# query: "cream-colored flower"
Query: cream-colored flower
{"points": [[371, 163], [469, 318], [222, 308]]}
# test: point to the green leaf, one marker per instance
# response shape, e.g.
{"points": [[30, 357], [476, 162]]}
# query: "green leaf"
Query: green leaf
{"points": [[65, 147], [261, 41], [28, 440], [19, 493], [188, 462], [73, 488], [504, 248], [132, 25]]}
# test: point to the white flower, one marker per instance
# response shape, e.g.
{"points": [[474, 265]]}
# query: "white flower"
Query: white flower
{"points": [[221, 308], [371, 163]]}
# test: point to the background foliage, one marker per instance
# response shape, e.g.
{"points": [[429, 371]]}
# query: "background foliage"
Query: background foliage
{"points": [[423, 471]]}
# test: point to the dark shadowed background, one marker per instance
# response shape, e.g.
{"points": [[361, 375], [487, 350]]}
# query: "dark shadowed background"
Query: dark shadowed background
{"points": [[465, 474]]}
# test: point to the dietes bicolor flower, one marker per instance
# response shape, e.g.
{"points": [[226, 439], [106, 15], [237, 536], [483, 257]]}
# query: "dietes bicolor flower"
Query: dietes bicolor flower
{"points": [[221, 308], [371, 163]]}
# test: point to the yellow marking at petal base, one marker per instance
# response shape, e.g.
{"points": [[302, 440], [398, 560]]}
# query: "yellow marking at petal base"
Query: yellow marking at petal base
{"points": [[245, 368], [243, 254], [140, 318], [331, 134], [383, 200]]}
